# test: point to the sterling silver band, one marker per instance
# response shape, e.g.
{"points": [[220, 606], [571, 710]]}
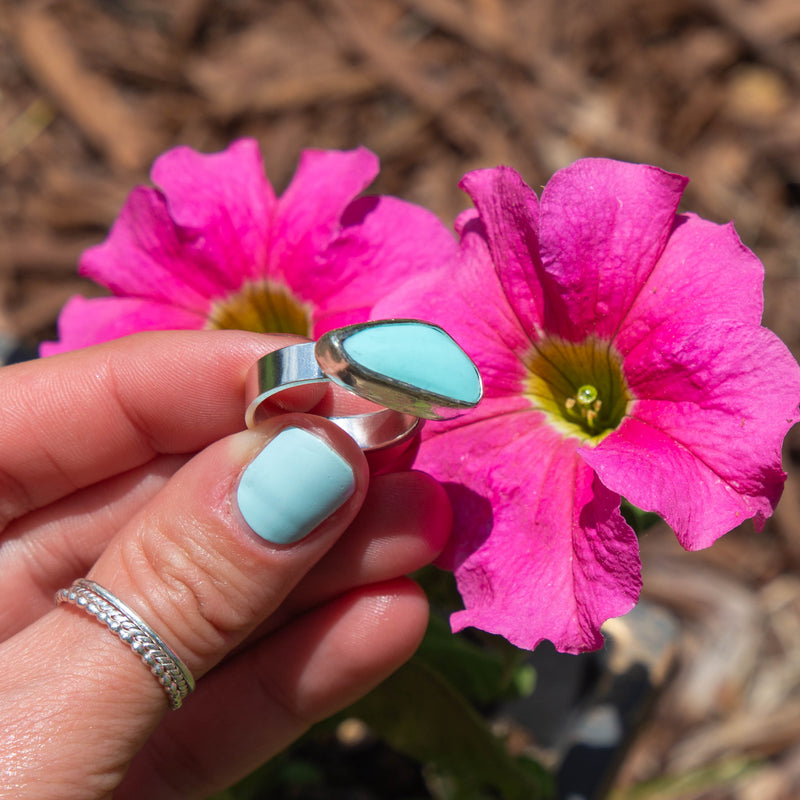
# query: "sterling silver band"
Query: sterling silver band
{"points": [[297, 365], [169, 670]]}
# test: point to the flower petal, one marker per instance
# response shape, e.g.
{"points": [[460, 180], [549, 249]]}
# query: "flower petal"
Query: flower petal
{"points": [[466, 299], [384, 242], [704, 273], [309, 212], [509, 211], [603, 226], [223, 204], [702, 445], [85, 322], [547, 557], [146, 256]]}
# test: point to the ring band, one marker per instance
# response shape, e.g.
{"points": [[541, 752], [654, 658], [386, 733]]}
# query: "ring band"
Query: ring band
{"points": [[412, 369], [169, 670], [297, 365]]}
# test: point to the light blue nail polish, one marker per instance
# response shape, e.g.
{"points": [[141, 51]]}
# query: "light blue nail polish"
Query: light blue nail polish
{"points": [[292, 485], [417, 354]]}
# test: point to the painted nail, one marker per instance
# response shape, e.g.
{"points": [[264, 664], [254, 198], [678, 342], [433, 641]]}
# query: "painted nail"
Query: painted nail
{"points": [[292, 485]]}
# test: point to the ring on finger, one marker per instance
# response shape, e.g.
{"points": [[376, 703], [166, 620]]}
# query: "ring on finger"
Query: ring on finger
{"points": [[173, 675]]}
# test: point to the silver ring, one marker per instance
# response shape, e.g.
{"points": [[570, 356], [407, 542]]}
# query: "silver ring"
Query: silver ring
{"points": [[169, 670], [414, 370]]}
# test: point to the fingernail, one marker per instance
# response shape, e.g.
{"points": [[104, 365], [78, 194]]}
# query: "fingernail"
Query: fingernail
{"points": [[292, 485]]}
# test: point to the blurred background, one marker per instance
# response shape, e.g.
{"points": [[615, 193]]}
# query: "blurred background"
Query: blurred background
{"points": [[91, 92]]}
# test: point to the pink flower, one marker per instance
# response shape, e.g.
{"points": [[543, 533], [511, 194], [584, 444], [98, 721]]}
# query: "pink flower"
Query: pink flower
{"points": [[622, 354], [213, 247]]}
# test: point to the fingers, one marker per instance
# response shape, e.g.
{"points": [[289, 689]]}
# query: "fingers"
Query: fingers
{"points": [[75, 419], [207, 560], [270, 694], [238, 551], [50, 547], [402, 526]]}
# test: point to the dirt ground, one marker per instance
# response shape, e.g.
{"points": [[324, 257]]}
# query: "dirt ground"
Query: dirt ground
{"points": [[91, 92]]}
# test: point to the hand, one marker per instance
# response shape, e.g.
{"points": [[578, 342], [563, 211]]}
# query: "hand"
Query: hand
{"points": [[124, 463]]}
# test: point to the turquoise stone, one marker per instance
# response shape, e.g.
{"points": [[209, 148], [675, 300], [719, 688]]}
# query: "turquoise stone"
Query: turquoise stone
{"points": [[417, 354]]}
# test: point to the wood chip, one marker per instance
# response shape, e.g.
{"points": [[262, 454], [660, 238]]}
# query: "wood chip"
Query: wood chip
{"points": [[93, 103]]}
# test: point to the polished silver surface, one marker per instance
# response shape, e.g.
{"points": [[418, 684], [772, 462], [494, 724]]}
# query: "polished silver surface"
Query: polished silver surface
{"points": [[124, 622], [277, 371], [297, 365], [379, 429]]}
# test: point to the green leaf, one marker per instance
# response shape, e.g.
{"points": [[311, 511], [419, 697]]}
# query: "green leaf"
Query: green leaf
{"points": [[638, 519], [483, 667], [420, 714], [480, 674]]}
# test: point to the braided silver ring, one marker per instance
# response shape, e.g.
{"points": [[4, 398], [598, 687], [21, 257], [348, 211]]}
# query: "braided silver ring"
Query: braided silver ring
{"points": [[169, 670]]}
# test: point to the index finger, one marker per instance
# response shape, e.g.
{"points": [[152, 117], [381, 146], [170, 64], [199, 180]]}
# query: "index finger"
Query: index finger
{"points": [[71, 420]]}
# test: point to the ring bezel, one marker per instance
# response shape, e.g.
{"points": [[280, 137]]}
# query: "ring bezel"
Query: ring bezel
{"points": [[391, 393]]}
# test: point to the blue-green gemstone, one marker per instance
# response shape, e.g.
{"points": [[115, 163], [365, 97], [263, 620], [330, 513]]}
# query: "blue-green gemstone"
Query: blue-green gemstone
{"points": [[420, 355]]}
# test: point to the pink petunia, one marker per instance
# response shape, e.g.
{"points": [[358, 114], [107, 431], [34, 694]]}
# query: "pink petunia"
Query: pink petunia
{"points": [[213, 247], [622, 354]]}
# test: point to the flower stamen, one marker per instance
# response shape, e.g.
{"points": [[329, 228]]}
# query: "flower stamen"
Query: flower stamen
{"points": [[264, 306], [584, 406], [579, 386]]}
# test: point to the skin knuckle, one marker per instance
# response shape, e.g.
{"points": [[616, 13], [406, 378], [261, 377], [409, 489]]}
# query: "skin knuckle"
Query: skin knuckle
{"points": [[191, 583]]}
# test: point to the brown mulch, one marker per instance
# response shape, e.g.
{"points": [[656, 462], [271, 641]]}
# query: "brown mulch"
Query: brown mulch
{"points": [[91, 92]]}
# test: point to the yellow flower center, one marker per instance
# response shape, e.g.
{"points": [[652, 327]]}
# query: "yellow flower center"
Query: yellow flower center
{"points": [[265, 307], [579, 386]]}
